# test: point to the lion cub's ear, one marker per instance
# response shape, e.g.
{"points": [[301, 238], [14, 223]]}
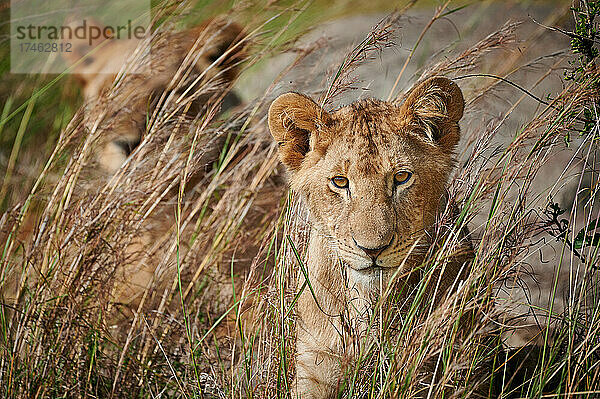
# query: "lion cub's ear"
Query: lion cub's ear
{"points": [[228, 44], [296, 124], [435, 107]]}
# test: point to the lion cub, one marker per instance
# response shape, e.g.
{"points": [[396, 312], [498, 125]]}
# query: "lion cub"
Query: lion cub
{"points": [[372, 175], [197, 67]]}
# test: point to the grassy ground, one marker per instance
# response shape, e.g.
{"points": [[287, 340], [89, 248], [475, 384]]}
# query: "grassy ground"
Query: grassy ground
{"points": [[66, 338]]}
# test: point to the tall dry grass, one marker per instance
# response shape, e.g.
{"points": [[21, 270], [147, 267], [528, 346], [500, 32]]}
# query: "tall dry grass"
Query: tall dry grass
{"points": [[201, 204]]}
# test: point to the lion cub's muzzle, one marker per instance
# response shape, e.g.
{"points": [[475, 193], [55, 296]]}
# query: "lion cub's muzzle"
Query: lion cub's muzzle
{"points": [[373, 253], [363, 258]]}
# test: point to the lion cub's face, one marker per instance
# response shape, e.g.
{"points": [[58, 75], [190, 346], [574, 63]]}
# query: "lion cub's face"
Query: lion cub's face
{"points": [[188, 67], [372, 172]]}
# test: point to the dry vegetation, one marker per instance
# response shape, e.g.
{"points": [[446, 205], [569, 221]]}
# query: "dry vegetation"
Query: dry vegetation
{"points": [[217, 318]]}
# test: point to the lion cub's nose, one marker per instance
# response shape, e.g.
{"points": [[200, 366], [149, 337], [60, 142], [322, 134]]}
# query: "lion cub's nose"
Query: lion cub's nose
{"points": [[373, 252]]}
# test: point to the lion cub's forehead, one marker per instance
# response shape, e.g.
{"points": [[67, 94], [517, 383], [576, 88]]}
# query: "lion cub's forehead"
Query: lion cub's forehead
{"points": [[371, 136]]}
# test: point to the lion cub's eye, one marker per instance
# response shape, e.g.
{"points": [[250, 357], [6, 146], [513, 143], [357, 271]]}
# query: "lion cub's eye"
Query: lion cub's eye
{"points": [[340, 181], [402, 177]]}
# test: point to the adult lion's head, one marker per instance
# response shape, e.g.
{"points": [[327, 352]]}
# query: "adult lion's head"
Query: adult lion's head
{"points": [[373, 172]]}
